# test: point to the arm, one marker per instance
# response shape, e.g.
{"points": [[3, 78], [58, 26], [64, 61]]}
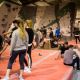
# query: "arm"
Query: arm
{"points": [[75, 53], [4, 48], [13, 41], [27, 40], [6, 33], [58, 55]]}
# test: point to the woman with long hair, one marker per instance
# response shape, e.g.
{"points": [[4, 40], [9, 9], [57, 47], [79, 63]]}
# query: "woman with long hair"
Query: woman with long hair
{"points": [[19, 46], [29, 30]]}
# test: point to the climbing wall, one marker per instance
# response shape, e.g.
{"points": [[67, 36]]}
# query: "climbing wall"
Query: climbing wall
{"points": [[65, 24], [28, 12], [44, 16], [77, 21], [8, 12]]}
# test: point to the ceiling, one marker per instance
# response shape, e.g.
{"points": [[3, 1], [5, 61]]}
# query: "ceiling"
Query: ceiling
{"points": [[43, 2]]}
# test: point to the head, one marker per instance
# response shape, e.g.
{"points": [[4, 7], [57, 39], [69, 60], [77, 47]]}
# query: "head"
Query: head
{"points": [[15, 22], [57, 27], [37, 30], [71, 47], [44, 26], [66, 44], [21, 28], [50, 29], [28, 24], [18, 22]]}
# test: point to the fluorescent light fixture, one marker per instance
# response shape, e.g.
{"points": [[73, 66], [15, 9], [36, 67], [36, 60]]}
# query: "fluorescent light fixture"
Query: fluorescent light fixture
{"points": [[50, 0], [31, 5], [41, 3]]}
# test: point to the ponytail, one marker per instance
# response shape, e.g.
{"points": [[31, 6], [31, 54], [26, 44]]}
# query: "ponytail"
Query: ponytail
{"points": [[22, 32]]}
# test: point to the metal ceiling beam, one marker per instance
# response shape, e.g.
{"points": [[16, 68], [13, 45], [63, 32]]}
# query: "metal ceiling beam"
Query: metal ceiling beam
{"points": [[14, 2], [25, 2]]}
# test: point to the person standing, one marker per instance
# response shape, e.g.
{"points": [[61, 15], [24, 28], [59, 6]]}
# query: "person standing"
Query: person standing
{"points": [[19, 46], [7, 36], [77, 35], [28, 27], [57, 33], [51, 37]]}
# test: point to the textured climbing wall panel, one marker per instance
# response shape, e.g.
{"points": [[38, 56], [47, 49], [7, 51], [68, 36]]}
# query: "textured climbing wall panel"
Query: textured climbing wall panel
{"points": [[65, 24], [8, 11], [28, 12], [44, 16]]}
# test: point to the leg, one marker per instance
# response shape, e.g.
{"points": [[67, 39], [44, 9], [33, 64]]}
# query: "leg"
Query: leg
{"points": [[43, 44], [51, 43], [79, 39], [29, 61], [76, 39], [11, 61], [68, 64], [27, 67], [21, 61], [29, 57], [76, 60], [25, 61]]}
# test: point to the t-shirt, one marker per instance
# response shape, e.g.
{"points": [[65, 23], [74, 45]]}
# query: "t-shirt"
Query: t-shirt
{"points": [[17, 43], [68, 56], [51, 35], [63, 49], [30, 34], [57, 32], [9, 39]]}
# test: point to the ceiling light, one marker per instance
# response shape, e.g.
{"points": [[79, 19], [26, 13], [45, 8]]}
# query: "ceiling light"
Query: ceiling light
{"points": [[49, 0], [31, 5], [41, 3]]}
